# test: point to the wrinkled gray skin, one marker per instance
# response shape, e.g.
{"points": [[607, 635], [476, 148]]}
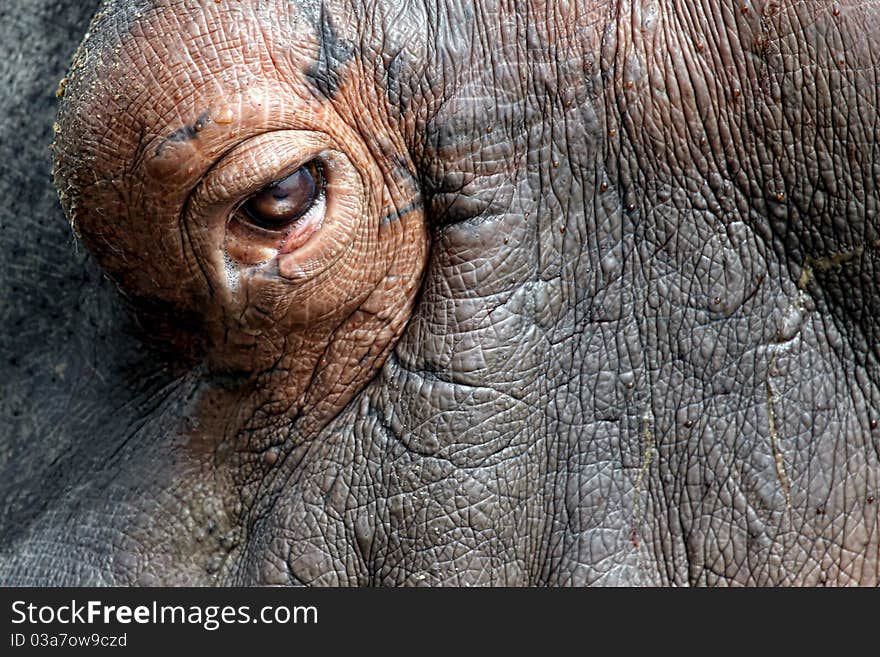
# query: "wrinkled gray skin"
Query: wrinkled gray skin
{"points": [[644, 352]]}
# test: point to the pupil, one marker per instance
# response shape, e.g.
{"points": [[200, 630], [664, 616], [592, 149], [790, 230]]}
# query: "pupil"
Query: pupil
{"points": [[283, 202]]}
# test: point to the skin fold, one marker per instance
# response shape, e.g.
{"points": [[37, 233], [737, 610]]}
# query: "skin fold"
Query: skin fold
{"points": [[586, 296]]}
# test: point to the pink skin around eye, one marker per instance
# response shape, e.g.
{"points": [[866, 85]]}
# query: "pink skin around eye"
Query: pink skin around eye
{"points": [[301, 232]]}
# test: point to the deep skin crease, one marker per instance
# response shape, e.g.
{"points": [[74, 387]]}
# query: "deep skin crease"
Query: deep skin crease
{"points": [[611, 318]]}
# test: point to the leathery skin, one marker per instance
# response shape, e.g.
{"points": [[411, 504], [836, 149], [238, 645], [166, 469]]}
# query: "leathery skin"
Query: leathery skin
{"points": [[584, 294]]}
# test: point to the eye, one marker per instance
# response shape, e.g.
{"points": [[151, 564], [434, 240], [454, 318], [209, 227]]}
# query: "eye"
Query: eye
{"points": [[276, 193], [280, 204]]}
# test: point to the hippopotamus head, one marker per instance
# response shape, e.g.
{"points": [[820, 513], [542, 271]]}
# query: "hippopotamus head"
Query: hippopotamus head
{"points": [[542, 293]]}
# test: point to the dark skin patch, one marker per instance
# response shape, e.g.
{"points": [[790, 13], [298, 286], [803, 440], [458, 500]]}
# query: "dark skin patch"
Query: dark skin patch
{"points": [[333, 53], [408, 178], [402, 169], [398, 95], [186, 133], [412, 206]]}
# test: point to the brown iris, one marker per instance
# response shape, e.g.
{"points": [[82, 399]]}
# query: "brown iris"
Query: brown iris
{"points": [[278, 205]]}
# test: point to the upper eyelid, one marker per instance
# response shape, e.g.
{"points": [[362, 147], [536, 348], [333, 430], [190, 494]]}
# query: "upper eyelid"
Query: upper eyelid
{"points": [[320, 191], [243, 181], [277, 154]]}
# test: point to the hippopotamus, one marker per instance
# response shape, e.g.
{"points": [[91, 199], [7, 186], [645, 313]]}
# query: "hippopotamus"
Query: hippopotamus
{"points": [[544, 293]]}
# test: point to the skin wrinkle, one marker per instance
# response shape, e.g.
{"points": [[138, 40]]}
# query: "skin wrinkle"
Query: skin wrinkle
{"points": [[743, 140], [502, 441]]}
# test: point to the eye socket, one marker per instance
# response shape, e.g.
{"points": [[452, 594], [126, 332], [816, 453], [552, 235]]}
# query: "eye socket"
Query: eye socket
{"points": [[282, 203]]}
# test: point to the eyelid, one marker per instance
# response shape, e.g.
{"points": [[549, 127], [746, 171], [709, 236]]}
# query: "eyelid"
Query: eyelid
{"points": [[316, 171], [250, 166], [255, 164]]}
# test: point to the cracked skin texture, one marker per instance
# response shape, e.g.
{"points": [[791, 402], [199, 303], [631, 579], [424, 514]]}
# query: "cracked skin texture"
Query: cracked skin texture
{"points": [[592, 301]]}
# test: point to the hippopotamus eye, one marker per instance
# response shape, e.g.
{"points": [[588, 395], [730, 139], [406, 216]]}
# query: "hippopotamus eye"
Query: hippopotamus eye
{"points": [[280, 204]]}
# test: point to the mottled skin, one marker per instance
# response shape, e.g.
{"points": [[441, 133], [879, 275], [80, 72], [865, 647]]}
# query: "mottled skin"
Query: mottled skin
{"points": [[593, 300]]}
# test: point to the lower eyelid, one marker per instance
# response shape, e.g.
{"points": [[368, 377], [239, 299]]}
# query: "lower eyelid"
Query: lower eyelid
{"points": [[249, 237]]}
